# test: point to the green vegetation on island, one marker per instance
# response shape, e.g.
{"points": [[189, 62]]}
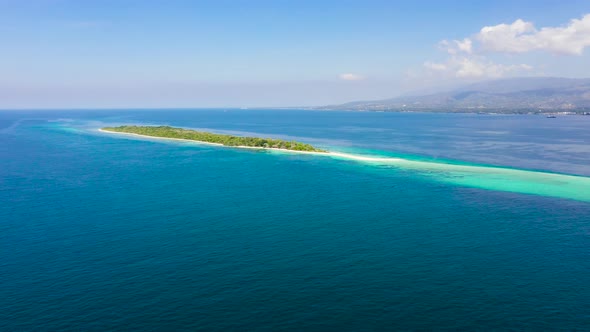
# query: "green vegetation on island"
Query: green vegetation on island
{"points": [[200, 136]]}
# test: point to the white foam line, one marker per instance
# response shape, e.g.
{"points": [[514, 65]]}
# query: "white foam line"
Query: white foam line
{"points": [[363, 158]]}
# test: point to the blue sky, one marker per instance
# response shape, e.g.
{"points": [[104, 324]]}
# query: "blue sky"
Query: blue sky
{"points": [[84, 53]]}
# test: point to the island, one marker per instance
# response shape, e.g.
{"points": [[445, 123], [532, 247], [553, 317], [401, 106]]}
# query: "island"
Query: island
{"points": [[201, 136]]}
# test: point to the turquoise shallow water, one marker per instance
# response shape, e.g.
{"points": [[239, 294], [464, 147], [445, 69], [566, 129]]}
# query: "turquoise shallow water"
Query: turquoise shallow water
{"points": [[99, 232], [496, 178]]}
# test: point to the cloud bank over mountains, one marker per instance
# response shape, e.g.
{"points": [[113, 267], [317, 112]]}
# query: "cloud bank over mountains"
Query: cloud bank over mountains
{"points": [[469, 57]]}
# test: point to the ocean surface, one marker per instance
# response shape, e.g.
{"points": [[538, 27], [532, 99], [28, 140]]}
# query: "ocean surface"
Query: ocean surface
{"points": [[470, 222]]}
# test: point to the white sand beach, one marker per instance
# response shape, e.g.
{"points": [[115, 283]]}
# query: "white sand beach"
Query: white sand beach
{"points": [[340, 155]]}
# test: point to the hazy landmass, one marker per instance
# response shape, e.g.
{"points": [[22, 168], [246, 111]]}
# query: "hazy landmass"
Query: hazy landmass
{"points": [[514, 95]]}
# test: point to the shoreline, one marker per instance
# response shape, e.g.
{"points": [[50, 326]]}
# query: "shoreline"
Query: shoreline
{"points": [[327, 153], [215, 144], [349, 156], [486, 177]]}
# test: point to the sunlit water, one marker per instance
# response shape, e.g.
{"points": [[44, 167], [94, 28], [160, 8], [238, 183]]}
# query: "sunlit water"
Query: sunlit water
{"points": [[455, 221]]}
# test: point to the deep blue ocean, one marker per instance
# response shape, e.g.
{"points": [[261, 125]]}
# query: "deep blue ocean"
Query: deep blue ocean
{"points": [[101, 232]]}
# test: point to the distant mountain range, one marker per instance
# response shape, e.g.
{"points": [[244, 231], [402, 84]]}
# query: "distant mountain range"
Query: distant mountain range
{"points": [[532, 94]]}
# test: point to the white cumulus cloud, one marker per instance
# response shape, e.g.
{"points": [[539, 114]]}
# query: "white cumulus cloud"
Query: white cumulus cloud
{"points": [[469, 58], [457, 46], [351, 77], [435, 66], [522, 36]]}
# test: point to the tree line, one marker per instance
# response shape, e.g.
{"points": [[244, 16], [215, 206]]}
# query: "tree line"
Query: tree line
{"points": [[228, 140]]}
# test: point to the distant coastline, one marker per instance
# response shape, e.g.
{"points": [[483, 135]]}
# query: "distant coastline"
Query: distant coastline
{"points": [[442, 110], [516, 95]]}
